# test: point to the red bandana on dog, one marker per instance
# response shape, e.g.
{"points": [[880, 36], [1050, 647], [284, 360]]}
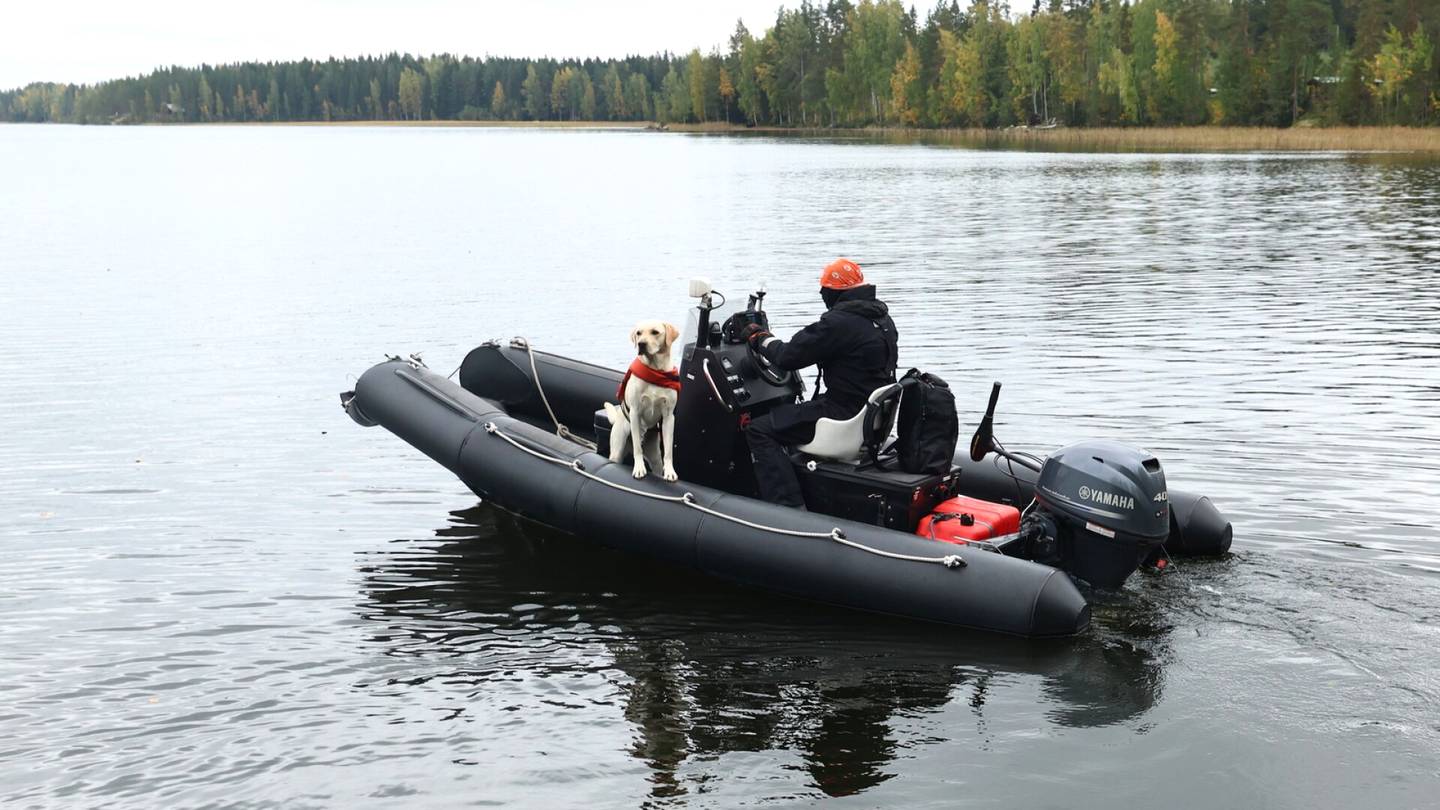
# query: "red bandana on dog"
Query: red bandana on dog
{"points": [[665, 379]]}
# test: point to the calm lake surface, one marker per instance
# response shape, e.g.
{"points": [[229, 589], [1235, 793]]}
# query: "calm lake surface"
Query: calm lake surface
{"points": [[218, 590]]}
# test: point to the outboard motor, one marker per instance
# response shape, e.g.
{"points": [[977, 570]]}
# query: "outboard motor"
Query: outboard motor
{"points": [[1101, 509]]}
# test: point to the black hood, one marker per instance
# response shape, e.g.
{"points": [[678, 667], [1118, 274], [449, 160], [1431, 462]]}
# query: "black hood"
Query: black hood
{"points": [[858, 300]]}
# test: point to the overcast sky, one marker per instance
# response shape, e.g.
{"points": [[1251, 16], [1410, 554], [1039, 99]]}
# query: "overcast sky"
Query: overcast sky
{"points": [[92, 40]]}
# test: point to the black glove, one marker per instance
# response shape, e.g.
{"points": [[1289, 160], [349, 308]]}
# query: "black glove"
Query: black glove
{"points": [[753, 332]]}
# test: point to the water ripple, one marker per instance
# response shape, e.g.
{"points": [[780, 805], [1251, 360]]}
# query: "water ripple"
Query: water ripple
{"points": [[223, 593]]}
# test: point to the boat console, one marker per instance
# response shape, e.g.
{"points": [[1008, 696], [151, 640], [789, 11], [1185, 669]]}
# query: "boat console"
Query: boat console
{"points": [[724, 384]]}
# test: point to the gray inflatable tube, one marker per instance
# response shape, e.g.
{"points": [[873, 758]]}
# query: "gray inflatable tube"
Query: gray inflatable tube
{"points": [[530, 471]]}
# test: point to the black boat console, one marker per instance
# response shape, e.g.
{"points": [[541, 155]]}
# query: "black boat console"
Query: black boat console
{"points": [[723, 387]]}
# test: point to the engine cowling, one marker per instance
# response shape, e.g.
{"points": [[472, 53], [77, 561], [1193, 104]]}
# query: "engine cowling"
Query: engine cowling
{"points": [[1110, 507]]}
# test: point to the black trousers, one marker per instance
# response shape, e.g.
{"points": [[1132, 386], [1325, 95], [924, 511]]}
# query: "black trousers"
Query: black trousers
{"points": [[767, 436]]}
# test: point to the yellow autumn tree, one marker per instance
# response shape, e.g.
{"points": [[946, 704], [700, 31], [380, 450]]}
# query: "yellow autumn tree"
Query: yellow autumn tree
{"points": [[560, 92], [1117, 78], [497, 101], [1167, 60], [962, 88], [412, 92], [906, 93], [727, 90], [1394, 64], [695, 72]]}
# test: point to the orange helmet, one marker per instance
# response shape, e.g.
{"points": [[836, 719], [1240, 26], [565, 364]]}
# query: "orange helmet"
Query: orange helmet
{"points": [[841, 274]]}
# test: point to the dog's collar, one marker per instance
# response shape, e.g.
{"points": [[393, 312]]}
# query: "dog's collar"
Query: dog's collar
{"points": [[665, 379]]}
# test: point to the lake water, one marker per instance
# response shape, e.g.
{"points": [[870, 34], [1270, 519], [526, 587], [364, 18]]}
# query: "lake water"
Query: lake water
{"points": [[219, 590]]}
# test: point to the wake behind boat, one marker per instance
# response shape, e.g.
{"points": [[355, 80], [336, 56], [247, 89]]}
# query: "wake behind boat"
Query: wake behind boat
{"points": [[998, 541]]}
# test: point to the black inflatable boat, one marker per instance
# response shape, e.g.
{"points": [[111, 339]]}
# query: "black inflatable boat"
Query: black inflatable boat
{"points": [[997, 542]]}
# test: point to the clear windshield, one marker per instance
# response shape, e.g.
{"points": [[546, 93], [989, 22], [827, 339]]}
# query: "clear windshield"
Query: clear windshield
{"points": [[731, 305]]}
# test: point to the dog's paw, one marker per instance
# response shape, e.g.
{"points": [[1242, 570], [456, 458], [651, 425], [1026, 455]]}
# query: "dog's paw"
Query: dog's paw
{"points": [[669, 474], [617, 456], [639, 471]]}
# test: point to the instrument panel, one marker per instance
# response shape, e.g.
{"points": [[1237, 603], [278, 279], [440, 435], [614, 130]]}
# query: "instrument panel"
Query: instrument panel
{"points": [[737, 378]]}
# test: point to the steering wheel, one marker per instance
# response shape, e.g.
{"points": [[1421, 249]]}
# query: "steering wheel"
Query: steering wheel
{"points": [[768, 372]]}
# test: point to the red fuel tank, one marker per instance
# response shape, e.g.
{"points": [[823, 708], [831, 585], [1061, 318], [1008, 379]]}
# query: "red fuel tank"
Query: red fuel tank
{"points": [[962, 519]]}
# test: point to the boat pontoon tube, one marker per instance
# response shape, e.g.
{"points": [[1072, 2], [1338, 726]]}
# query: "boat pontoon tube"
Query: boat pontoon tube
{"points": [[527, 470]]}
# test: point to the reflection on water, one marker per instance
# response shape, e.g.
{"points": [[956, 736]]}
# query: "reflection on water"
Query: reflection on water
{"points": [[706, 669]]}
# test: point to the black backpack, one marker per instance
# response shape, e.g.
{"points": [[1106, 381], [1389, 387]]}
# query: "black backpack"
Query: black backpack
{"points": [[928, 427]]}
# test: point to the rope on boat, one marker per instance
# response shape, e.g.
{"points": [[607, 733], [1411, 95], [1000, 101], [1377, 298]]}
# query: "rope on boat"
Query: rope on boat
{"points": [[688, 499], [560, 429]]}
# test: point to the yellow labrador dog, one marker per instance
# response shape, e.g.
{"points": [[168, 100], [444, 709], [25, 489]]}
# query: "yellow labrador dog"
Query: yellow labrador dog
{"points": [[647, 399]]}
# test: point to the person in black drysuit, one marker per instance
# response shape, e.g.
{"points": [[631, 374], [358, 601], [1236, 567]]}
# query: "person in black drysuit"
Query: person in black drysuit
{"points": [[855, 345]]}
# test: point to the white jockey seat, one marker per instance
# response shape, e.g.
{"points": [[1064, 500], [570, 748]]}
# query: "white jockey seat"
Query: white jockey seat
{"points": [[850, 440]]}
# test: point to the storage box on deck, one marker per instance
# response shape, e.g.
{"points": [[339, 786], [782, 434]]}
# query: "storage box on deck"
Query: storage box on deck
{"points": [[890, 498]]}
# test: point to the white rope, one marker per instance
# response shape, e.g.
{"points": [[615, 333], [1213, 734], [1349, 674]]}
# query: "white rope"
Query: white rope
{"points": [[560, 430], [688, 498]]}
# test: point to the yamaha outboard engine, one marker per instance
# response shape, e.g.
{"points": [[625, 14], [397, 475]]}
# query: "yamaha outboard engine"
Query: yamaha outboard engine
{"points": [[1101, 510]]}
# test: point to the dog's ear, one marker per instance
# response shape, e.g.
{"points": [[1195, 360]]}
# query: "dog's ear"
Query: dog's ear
{"points": [[635, 335], [671, 334]]}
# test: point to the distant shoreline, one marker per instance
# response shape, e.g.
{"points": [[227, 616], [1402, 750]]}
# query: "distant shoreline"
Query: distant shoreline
{"points": [[641, 125], [1099, 139], [1142, 139]]}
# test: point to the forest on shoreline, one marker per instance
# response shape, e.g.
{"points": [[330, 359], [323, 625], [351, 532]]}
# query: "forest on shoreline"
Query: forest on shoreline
{"points": [[1096, 63]]}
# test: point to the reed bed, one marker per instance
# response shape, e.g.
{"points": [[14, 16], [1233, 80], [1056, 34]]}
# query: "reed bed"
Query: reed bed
{"points": [[1060, 139], [1144, 139], [1207, 139], [450, 123]]}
